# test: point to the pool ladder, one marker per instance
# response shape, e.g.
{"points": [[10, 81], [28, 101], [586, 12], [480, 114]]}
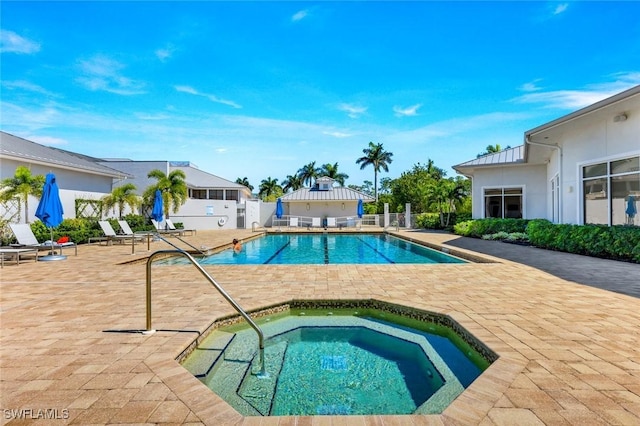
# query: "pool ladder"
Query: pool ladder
{"points": [[217, 286]]}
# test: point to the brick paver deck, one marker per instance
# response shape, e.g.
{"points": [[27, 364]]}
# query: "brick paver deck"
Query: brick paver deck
{"points": [[70, 346]]}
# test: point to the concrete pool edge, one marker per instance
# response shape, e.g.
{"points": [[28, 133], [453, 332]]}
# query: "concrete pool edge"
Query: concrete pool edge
{"points": [[470, 407]]}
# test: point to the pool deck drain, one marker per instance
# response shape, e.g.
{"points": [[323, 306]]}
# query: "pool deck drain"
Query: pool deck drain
{"points": [[569, 353]]}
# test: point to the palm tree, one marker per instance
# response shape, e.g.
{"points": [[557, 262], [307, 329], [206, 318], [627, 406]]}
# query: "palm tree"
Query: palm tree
{"points": [[331, 170], [269, 188], [308, 172], [244, 181], [122, 196], [375, 156], [21, 186], [173, 188], [492, 149], [292, 183]]}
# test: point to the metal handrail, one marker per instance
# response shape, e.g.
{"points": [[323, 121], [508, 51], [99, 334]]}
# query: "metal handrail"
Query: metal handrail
{"points": [[216, 286]]}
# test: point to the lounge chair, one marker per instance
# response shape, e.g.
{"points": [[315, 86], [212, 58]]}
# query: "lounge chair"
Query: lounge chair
{"points": [[293, 222], [315, 222], [331, 222], [162, 230], [110, 235], [26, 239], [182, 231]]}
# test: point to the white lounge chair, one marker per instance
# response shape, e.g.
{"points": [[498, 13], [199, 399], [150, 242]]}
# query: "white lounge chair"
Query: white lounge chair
{"points": [[182, 231], [25, 237], [293, 222], [315, 222], [331, 222], [110, 235], [162, 230]]}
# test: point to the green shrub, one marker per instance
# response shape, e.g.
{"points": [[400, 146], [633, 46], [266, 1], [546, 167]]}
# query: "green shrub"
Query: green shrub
{"points": [[479, 227], [612, 242], [428, 221]]}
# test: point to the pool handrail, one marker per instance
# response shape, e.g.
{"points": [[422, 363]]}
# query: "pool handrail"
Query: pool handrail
{"points": [[217, 286]]}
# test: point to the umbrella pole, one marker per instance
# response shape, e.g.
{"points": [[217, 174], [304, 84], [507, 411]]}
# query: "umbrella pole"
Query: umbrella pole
{"points": [[51, 229]]}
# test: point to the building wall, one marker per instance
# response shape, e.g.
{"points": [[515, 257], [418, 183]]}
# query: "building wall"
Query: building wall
{"points": [[322, 209], [591, 140], [73, 184], [531, 178], [207, 214]]}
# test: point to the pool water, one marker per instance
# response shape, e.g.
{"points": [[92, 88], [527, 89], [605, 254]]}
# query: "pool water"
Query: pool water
{"points": [[327, 249], [318, 363]]}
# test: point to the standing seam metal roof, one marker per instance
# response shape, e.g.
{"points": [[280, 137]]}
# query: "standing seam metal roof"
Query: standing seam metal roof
{"points": [[334, 194]]}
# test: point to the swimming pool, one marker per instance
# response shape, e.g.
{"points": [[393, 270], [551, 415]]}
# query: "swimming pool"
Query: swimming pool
{"points": [[328, 248], [340, 361]]}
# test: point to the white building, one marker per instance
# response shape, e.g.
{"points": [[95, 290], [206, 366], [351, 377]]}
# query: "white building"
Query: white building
{"points": [[581, 168], [78, 177]]}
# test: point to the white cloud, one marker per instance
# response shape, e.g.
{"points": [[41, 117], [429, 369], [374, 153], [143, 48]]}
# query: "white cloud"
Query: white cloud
{"points": [[213, 98], [531, 86], [27, 86], [165, 53], [102, 73], [337, 134], [11, 42], [300, 15], [408, 111], [560, 8], [353, 111], [47, 140], [580, 98]]}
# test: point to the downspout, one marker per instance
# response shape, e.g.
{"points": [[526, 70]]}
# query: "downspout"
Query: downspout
{"points": [[561, 192]]}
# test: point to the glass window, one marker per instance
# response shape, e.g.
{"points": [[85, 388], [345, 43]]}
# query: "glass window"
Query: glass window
{"points": [[216, 194], [503, 203], [613, 194], [625, 166], [232, 194], [625, 194], [594, 170], [199, 194]]}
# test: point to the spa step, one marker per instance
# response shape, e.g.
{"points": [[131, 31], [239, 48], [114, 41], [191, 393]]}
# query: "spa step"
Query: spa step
{"points": [[207, 355]]}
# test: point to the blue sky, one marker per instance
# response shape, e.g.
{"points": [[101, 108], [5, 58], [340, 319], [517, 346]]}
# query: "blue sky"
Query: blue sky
{"points": [[259, 89]]}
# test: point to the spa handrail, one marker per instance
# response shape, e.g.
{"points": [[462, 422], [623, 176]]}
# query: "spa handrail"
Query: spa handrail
{"points": [[216, 286]]}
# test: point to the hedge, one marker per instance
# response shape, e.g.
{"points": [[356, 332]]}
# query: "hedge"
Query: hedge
{"points": [[432, 220], [480, 227], [618, 242]]}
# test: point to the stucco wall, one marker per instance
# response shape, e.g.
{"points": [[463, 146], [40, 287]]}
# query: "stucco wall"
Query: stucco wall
{"points": [[531, 178]]}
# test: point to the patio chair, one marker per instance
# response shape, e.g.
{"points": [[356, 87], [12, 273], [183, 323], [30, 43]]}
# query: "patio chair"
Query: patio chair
{"points": [[315, 222], [110, 235], [293, 222], [331, 222], [162, 230], [182, 231], [26, 239]]}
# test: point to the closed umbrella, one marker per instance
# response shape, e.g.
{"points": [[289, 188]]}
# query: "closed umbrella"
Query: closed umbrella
{"points": [[360, 209], [157, 213], [279, 209], [50, 211]]}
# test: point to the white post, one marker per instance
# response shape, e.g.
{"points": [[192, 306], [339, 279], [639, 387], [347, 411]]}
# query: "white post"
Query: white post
{"points": [[407, 216], [386, 215]]}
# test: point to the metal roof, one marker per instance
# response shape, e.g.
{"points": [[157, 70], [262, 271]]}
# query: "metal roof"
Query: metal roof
{"points": [[506, 156], [25, 150], [334, 194], [197, 178]]}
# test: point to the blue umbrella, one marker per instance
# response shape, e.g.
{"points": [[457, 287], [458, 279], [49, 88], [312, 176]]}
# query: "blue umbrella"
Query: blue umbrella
{"points": [[49, 209], [157, 213], [631, 207], [360, 208], [279, 208]]}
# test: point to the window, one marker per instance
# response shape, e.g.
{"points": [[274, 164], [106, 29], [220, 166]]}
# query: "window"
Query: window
{"points": [[611, 191], [199, 194], [503, 203], [216, 194], [232, 194]]}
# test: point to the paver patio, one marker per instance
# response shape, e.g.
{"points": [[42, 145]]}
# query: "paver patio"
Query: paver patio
{"points": [[69, 346]]}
